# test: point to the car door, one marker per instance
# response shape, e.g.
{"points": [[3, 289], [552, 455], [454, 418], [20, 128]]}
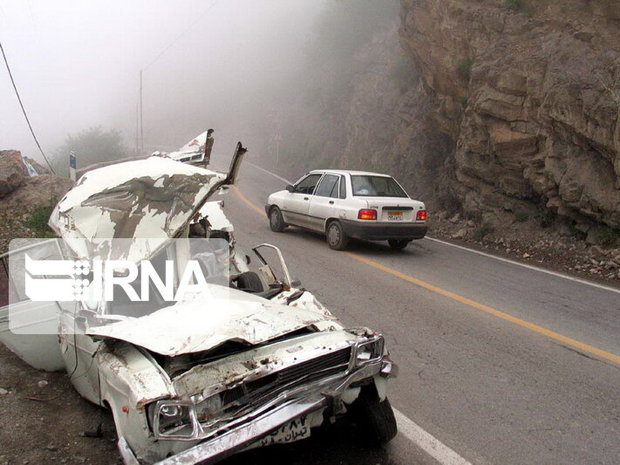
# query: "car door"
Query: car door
{"points": [[323, 203], [297, 204], [28, 328]]}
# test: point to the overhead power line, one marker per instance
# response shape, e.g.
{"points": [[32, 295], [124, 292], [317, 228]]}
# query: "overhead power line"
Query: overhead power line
{"points": [[8, 68], [177, 38], [140, 128]]}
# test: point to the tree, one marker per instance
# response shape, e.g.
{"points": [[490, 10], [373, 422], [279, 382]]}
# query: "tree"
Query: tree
{"points": [[93, 145]]}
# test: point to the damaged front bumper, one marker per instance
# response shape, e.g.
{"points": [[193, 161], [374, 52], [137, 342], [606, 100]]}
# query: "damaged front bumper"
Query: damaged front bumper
{"points": [[290, 406]]}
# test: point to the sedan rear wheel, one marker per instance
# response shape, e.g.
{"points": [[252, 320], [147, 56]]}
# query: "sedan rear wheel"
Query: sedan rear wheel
{"points": [[336, 237], [398, 244], [276, 222]]}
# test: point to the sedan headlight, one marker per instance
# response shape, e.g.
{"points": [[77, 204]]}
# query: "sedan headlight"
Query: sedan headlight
{"points": [[369, 351], [172, 418]]}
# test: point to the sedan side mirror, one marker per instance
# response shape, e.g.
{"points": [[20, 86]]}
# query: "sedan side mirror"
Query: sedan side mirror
{"points": [[290, 188]]}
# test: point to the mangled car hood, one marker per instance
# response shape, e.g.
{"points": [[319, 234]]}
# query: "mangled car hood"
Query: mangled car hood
{"points": [[202, 325], [152, 198]]}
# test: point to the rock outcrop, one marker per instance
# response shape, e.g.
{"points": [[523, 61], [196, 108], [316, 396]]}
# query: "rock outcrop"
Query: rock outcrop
{"points": [[12, 171], [42, 190], [527, 97], [21, 192]]}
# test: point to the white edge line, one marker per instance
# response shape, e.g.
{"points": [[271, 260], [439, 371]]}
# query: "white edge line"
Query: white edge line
{"points": [[269, 172], [427, 442], [529, 267], [501, 259]]}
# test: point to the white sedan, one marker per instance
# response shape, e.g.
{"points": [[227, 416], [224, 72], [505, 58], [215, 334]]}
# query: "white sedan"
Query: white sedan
{"points": [[344, 204]]}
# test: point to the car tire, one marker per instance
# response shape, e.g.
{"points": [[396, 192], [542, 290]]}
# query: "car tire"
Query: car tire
{"points": [[250, 281], [398, 244], [377, 419], [337, 239], [276, 222]]}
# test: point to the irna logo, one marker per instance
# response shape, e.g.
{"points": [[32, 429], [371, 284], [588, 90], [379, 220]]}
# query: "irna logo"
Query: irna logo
{"points": [[75, 280]]}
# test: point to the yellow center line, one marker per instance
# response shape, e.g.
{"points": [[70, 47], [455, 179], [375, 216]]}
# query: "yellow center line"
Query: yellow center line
{"points": [[464, 300], [248, 202]]}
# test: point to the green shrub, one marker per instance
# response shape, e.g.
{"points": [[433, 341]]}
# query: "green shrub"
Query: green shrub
{"points": [[608, 237], [521, 216], [547, 219], [514, 4], [464, 68], [481, 231], [37, 221], [576, 232]]}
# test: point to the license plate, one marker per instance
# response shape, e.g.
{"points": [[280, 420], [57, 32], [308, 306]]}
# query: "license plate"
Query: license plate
{"points": [[395, 216], [293, 431]]}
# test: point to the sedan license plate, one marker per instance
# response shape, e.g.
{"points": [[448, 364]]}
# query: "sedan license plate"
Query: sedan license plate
{"points": [[293, 431], [395, 216]]}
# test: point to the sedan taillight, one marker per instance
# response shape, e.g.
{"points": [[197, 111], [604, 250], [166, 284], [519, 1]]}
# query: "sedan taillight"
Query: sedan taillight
{"points": [[421, 215], [365, 214]]}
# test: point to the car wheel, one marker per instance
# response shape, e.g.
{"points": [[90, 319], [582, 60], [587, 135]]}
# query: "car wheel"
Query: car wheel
{"points": [[250, 281], [336, 237], [276, 222], [398, 244], [377, 419]]}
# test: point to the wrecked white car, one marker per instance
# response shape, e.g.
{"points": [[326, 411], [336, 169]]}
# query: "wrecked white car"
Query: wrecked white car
{"points": [[198, 380]]}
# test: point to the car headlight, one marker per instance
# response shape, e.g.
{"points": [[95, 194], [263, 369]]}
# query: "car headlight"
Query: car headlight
{"points": [[172, 418], [369, 351]]}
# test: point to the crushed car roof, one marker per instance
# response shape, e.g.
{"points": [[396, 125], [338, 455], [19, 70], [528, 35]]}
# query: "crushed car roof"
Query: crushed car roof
{"points": [[151, 198]]}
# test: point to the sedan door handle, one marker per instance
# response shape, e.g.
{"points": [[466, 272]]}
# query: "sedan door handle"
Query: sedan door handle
{"points": [[305, 198], [331, 202]]}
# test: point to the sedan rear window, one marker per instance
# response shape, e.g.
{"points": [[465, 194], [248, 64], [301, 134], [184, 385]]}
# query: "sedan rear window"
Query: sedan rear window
{"points": [[376, 186]]}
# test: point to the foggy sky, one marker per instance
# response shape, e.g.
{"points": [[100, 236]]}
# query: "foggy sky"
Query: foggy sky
{"points": [[77, 64]]}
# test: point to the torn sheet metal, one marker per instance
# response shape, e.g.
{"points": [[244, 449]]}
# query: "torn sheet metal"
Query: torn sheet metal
{"points": [[214, 212], [196, 151]]}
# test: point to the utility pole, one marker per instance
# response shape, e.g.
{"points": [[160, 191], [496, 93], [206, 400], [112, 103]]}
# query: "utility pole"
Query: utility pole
{"points": [[141, 120], [137, 129], [278, 139]]}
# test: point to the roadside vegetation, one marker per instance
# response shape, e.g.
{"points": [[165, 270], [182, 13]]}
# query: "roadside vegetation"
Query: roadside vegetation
{"points": [[93, 145], [37, 221]]}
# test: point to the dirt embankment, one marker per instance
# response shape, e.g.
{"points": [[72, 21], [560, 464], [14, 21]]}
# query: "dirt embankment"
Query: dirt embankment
{"points": [[532, 244], [45, 421]]}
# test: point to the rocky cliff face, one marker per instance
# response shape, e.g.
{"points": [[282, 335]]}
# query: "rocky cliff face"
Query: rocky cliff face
{"points": [[526, 95], [387, 121]]}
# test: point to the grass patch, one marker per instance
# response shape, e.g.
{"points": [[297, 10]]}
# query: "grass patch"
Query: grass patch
{"points": [[464, 68], [37, 221], [521, 217]]}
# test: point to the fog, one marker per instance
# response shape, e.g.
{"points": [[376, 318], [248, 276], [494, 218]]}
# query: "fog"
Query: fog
{"points": [[216, 63]]}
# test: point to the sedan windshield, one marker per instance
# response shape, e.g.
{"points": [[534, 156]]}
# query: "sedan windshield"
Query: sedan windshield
{"points": [[376, 186]]}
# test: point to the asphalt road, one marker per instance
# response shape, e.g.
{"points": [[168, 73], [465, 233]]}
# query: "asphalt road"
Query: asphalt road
{"points": [[499, 363]]}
